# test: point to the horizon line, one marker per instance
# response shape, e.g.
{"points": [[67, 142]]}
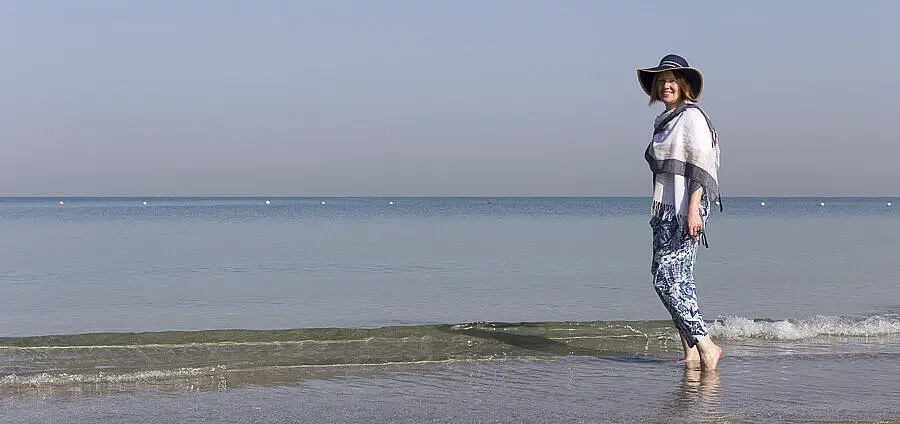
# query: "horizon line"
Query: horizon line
{"points": [[375, 196]]}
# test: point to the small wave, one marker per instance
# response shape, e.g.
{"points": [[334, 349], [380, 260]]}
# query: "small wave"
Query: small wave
{"points": [[115, 357], [81, 355], [736, 327]]}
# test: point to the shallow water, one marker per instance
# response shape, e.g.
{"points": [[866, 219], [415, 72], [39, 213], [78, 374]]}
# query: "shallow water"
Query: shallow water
{"points": [[827, 369], [568, 389], [503, 310]]}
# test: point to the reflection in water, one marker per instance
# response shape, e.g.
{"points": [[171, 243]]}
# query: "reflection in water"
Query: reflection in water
{"points": [[697, 399], [701, 387]]}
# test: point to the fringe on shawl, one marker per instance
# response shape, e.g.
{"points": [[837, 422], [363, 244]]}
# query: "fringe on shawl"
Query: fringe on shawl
{"points": [[666, 212]]}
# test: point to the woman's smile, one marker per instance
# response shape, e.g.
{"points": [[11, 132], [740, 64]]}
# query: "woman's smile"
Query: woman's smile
{"points": [[669, 92]]}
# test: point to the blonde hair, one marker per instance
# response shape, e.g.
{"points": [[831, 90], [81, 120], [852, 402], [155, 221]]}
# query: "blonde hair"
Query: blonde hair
{"points": [[687, 93]]}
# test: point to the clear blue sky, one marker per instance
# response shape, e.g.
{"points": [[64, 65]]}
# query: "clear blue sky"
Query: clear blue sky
{"points": [[512, 97]]}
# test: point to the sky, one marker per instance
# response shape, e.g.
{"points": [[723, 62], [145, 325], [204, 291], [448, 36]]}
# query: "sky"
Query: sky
{"points": [[437, 98]]}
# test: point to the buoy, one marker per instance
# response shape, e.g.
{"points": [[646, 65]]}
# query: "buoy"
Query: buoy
{"points": [[61, 203], [490, 201], [268, 202]]}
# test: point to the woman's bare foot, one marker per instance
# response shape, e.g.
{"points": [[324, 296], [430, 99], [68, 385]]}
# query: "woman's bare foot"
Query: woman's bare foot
{"points": [[710, 354], [691, 355], [710, 362]]}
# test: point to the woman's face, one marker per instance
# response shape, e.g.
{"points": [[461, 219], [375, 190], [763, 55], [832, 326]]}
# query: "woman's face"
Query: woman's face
{"points": [[669, 92]]}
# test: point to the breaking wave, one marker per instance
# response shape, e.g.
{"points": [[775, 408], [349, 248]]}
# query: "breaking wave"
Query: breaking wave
{"points": [[736, 328]]}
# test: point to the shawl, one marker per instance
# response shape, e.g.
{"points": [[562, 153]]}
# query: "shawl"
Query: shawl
{"points": [[684, 152]]}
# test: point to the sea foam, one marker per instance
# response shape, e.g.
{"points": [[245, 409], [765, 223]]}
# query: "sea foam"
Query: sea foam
{"points": [[48, 379], [737, 327]]}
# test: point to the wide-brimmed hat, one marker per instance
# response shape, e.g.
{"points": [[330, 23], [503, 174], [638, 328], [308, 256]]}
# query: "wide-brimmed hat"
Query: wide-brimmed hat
{"points": [[670, 63]]}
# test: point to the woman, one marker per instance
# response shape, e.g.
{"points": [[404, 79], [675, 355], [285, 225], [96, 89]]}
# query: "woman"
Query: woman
{"points": [[684, 158]]}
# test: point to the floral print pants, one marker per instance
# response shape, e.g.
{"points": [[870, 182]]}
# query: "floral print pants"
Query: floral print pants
{"points": [[674, 253]]}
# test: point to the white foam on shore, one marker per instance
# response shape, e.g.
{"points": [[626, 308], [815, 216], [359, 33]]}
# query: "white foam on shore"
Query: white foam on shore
{"points": [[734, 328], [54, 379]]}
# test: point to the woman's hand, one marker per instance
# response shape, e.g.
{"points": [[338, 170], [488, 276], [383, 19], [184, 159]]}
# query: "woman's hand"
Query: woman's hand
{"points": [[694, 223]]}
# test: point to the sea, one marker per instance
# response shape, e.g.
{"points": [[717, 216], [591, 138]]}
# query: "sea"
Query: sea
{"points": [[439, 310]]}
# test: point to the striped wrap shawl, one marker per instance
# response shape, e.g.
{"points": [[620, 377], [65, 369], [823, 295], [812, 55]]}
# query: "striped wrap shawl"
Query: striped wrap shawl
{"points": [[684, 152]]}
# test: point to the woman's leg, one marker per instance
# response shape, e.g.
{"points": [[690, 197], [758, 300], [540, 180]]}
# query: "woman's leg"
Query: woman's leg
{"points": [[673, 279]]}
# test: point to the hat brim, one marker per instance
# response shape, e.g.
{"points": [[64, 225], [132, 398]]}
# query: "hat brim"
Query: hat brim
{"points": [[693, 75]]}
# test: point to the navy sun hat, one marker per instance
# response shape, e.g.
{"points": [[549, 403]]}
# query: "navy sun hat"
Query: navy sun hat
{"points": [[669, 63]]}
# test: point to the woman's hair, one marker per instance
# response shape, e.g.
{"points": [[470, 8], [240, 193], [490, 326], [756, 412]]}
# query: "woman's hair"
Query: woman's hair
{"points": [[687, 93]]}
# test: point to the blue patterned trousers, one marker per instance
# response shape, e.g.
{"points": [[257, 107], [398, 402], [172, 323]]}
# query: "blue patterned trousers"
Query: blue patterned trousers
{"points": [[674, 254]]}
